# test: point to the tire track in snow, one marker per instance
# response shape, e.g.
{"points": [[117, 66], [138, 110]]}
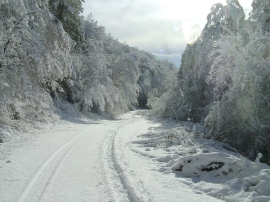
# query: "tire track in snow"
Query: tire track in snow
{"points": [[131, 181], [132, 187], [50, 165], [117, 190]]}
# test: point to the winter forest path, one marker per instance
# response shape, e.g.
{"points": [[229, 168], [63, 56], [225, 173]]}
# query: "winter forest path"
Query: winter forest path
{"points": [[89, 162]]}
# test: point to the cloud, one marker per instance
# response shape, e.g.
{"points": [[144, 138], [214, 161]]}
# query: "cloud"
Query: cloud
{"points": [[157, 26]]}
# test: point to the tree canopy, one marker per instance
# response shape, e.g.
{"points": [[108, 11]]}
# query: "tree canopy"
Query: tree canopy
{"points": [[68, 12]]}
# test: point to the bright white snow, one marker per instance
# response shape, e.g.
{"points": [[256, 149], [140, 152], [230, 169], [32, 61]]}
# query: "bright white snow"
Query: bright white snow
{"points": [[129, 159]]}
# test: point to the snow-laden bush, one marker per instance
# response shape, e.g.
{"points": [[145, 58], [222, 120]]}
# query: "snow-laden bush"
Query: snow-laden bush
{"points": [[239, 176]]}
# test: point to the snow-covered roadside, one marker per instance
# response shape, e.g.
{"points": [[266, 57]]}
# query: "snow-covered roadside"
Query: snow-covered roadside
{"points": [[204, 165], [141, 169]]}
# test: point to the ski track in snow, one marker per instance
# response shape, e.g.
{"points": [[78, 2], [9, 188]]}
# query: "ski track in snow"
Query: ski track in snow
{"points": [[47, 170]]}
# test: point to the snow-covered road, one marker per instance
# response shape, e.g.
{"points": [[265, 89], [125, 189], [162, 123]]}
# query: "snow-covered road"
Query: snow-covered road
{"points": [[88, 161]]}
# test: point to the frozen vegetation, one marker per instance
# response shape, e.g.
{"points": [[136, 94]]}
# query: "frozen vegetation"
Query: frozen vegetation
{"points": [[223, 81], [68, 63], [62, 75]]}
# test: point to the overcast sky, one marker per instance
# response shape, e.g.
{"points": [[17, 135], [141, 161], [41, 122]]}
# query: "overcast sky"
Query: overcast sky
{"points": [[162, 27]]}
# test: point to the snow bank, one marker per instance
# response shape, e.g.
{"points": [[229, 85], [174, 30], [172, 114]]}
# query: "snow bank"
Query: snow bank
{"points": [[216, 171]]}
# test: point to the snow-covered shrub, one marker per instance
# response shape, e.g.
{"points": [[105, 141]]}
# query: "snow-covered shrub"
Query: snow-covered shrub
{"points": [[239, 176], [217, 164]]}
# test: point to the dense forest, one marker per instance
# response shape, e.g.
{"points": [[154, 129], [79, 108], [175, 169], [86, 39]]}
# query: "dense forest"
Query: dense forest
{"points": [[52, 59], [224, 79]]}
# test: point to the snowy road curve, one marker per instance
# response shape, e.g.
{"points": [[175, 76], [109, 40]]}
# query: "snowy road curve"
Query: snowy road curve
{"points": [[88, 161]]}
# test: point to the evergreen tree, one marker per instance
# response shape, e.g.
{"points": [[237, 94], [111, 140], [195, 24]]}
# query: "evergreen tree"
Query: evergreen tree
{"points": [[68, 12], [261, 13]]}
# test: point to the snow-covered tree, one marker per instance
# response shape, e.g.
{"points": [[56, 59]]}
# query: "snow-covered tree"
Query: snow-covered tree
{"points": [[240, 75], [68, 12], [261, 14], [223, 81], [33, 52], [42, 71]]}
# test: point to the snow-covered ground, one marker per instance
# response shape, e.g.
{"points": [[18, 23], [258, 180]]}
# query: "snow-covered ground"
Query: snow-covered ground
{"points": [[129, 159]]}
